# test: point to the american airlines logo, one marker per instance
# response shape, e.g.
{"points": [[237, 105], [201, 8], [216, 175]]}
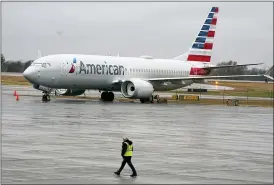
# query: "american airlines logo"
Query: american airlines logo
{"points": [[103, 69]]}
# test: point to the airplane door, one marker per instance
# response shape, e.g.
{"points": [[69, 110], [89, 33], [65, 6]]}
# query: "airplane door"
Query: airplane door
{"points": [[64, 68]]}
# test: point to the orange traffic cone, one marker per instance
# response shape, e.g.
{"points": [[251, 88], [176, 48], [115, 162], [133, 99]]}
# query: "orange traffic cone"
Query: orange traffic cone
{"points": [[17, 97], [14, 93]]}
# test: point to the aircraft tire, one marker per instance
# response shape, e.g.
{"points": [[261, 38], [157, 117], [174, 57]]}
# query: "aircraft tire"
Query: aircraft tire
{"points": [[45, 98], [151, 99], [103, 96], [110, 96]]}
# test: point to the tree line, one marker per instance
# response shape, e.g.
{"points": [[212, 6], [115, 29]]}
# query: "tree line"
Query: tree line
{"points": [[19, 67], [14, 66]]}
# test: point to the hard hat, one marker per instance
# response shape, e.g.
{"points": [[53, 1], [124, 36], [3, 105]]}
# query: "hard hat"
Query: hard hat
{"points": [[125, 138]]}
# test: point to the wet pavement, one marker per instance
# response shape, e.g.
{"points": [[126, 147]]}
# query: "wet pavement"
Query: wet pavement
{"points": [[79, 141], [29, 90]]}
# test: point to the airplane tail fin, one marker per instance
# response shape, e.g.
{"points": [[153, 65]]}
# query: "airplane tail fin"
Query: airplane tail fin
{"points": [[201, 49]]}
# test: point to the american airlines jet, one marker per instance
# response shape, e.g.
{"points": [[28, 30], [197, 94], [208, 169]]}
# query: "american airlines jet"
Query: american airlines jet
{"points": [[135, 78]]}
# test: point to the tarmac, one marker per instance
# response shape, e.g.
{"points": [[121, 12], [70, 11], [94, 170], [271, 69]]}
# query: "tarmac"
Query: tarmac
{"points": [[79, 141], [30, 91]]}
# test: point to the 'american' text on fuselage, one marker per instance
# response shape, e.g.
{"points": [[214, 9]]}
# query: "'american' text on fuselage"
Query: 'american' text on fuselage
{"points": [[101, 69]]}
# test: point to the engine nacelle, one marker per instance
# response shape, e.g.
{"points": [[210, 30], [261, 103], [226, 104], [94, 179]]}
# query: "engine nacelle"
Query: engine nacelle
{"points": [[137, 89], [70, 92]]}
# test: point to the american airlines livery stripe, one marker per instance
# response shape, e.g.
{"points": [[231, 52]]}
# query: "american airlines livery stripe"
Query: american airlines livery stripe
{"points": [[200, 58], [206, 33], [202, 46], [207, 52], [210, 33], [212, 21], [201, 49], [214, 9]]}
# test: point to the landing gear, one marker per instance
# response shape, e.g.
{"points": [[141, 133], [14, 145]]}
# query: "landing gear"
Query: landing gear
{"points": [[45, 98], [150, 100], [107, 96]]}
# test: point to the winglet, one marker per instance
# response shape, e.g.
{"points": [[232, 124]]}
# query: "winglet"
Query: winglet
{"points": [[268, 73]]}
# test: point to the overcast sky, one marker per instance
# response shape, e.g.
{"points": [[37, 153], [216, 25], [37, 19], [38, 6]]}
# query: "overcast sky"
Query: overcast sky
{"points": [[244, 30]]}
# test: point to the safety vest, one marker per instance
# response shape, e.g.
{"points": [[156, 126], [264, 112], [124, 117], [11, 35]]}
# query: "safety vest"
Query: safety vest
{"points": [[129, 150]]}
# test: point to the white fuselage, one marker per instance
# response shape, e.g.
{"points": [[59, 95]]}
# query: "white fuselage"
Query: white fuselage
{"points": [[100, 72]]}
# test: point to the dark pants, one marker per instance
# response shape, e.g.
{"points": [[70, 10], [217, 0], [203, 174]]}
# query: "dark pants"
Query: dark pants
{"points": [[128, 161]]}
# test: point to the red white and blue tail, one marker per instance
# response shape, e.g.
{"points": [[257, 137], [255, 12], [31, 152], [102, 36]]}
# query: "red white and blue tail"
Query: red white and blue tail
{"points": [[201, 49]]}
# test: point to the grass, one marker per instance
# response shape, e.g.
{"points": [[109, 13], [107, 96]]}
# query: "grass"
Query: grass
{"points": [[250, 89], [14, 80]]}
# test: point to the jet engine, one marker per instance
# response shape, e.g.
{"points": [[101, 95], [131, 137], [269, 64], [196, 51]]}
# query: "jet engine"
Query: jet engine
{"points": [[137, 89]]}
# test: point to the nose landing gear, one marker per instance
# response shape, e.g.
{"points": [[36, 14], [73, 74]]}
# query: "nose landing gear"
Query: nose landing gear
{"points": [[46, 97]]}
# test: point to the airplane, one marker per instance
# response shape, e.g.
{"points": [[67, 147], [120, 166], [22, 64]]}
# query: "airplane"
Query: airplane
{"points": [[134, 77]]}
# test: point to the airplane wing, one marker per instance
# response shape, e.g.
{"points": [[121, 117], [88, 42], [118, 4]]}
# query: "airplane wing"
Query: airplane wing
{"points": [[218, 67], [200, 77], [176, 79]]}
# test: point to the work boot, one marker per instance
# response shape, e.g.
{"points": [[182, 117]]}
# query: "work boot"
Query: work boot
{"points": [[117, 173], [133, 175]]}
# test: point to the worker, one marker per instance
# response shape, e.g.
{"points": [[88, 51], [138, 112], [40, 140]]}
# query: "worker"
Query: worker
{"points": [[127, 149]]}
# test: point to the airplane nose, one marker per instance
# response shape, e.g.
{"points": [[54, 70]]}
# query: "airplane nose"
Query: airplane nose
{"points": [[29, 74]]}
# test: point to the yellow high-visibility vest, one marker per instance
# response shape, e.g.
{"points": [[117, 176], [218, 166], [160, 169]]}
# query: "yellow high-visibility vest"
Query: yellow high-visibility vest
{"points": [[129, 150]]}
